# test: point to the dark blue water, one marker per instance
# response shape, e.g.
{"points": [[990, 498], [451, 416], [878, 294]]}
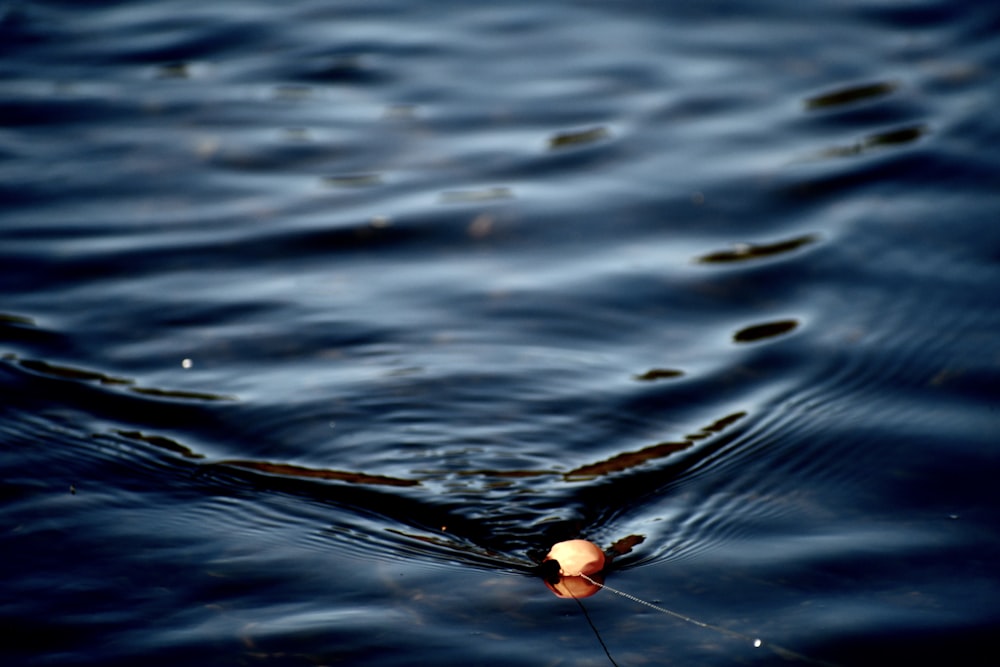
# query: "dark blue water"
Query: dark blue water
{"points": [[321, 321]]}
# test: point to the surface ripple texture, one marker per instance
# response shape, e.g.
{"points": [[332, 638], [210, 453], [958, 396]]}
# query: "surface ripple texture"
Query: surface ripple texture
{"points": [[321, 321]]}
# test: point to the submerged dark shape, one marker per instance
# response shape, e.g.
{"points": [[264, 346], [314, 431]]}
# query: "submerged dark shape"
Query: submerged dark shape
{"points": [[766, 330]]}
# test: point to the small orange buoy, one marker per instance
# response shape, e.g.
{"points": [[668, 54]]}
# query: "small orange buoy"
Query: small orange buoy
{"points": [[577, 557]]}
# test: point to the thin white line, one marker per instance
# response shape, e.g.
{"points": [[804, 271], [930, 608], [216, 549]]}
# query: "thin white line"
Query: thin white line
{"points": [[757, 642]]}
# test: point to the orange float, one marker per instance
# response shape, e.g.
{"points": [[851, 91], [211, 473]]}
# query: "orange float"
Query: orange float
{"points": [[575, 559]]}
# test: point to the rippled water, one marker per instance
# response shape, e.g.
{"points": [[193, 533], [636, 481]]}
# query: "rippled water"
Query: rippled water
{"points": [[322, 321]]}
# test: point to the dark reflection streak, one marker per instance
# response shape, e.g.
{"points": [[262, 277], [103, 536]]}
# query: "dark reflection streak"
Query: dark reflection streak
{"points": [[659, 374], [69, 373], [602, 502], [180, 394], [7, 318], [766, 330], [19, 329], [588, 136], [82, 375], [850, 94], [749, 251], [161, 442], [619, 462], [103, 400], [398, 506], [481, 556], [627, 460], [314, 473], [903, 135]]}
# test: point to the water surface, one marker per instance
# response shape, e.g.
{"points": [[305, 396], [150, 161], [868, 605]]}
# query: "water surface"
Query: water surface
{"points": [[321, 322]]}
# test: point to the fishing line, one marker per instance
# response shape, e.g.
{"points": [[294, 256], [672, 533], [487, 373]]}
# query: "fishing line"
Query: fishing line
{"points": [[756, 642], [596, 633]]}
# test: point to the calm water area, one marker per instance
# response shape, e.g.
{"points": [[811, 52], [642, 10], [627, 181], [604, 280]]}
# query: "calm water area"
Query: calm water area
{"points": [[321, 321]]}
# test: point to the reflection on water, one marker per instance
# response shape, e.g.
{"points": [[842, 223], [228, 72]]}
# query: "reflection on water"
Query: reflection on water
{"points": [[851, 94], [321, 324], [579, 137], [627, 460], [889, 138], [750, 251], [766, 330], [70, 373]]}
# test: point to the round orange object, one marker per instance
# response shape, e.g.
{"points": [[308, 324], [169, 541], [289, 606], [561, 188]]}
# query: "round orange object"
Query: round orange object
{"points": [[577, 557]]}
